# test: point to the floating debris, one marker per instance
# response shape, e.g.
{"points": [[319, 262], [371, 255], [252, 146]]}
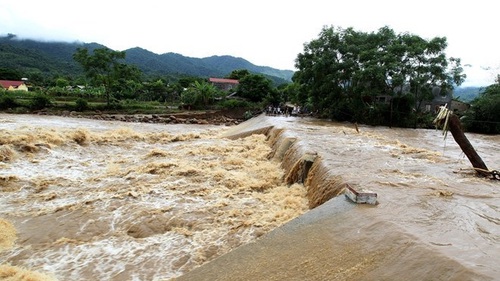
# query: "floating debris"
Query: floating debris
{"points": [[360, 196]]}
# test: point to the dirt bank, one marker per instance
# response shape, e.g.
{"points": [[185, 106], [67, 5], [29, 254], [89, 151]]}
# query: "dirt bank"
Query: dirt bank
{"points": [[226, 117]]}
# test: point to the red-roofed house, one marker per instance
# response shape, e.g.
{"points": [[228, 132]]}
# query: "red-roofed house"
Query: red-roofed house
{"points": [[224, 84], [10, 85]]}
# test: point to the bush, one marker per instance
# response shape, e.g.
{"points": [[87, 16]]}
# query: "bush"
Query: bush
{"points": [[40, 101], [7, 102], [232, 103], [81, 105]]}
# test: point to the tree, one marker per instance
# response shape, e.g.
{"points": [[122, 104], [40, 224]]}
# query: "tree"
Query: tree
{"points": [[9, 74], [291, 93], [174, 91], [199, 94], [188, 97], [36, 77], [238, 74], [155, 90], [254, 87], [320, 69], [186, 82], [125, 81], [344, 71], [62, 82], [103, 68], [205, 92]]}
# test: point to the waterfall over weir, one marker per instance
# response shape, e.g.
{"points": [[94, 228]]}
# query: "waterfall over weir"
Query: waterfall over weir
{"points": [[299, 164]]}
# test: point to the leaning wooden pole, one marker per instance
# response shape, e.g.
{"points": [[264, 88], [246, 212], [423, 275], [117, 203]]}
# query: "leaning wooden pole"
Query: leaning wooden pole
{"points": [[467, 148], [450, 121]]}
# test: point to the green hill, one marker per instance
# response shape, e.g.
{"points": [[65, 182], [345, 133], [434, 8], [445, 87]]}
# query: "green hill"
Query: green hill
{"points": [[467, 94], [31, 57]]}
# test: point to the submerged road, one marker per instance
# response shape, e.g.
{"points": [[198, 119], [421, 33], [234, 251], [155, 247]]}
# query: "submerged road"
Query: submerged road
{"points": [[434, 219]]}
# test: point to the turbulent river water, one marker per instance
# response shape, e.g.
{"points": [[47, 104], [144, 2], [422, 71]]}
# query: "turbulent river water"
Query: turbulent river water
{"points": [[97, 200], [103, 200]]}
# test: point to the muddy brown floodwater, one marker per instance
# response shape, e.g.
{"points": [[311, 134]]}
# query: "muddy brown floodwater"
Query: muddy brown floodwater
{"points": [[120, 201], [97, 200]]}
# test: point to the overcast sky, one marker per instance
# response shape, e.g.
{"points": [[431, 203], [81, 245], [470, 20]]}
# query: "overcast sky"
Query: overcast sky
{"points": [[264, 32]]}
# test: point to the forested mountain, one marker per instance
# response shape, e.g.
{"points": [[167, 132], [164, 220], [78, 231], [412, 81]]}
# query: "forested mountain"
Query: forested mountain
{"points": [[56, 58], [467, 94]]}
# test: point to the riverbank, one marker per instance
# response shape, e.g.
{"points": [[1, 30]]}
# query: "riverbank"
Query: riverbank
{"points": [[228, 117]]}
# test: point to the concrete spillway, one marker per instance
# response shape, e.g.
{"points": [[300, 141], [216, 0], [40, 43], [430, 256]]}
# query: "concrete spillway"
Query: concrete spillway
{"points": [[431, 222]]}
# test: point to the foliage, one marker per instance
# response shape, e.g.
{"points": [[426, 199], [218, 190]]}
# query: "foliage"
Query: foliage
{"points": [[187, 81], [7, 101], [10, 74], [93, 92], [154, 91], [61, 82], [57, 92], [344, 72], [255, 88], [81, 104], [238, 74], [274, 97], [484, 114], [188, 97], [199, 94], [234, 103], [401, 111], [126, 82], [103, 68], [40, 101]]}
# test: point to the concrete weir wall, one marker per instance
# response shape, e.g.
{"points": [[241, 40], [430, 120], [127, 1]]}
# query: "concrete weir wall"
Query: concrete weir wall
{"points": [[300, 163], [335, 240]]}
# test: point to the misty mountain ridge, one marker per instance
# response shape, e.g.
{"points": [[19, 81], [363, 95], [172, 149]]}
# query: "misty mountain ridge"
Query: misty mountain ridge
{"points": [[56, 57]]}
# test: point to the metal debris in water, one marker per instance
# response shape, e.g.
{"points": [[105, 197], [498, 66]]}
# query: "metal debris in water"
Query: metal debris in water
{"points": [[360, 196]]}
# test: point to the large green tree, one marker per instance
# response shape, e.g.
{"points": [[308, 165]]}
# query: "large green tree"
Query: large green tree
{"points": [[155, 90], [104, 67], [126, 81], [256, 88], [345, 72]]}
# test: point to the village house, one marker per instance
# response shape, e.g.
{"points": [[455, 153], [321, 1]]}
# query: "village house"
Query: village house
{"points": [[224, 84], [433, 105], [11, 85]]}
